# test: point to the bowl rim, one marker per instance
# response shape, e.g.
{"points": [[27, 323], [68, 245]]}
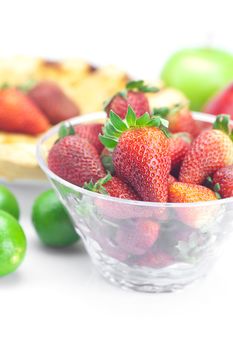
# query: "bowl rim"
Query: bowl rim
{"points": [[102, 115]]}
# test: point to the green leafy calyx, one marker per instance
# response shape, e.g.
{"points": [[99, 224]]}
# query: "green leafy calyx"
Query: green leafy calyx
{"points": [[108, 163], [115, 126], [25, 87], [209, 180], [216, 189], [166, 111], [222, 123], [66, 129], [5, 86], [99, 185], [139, 85]]}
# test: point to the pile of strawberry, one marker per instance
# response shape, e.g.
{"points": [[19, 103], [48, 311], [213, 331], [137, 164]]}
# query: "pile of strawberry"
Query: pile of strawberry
{"points": [[156, 156], [31, 109]]}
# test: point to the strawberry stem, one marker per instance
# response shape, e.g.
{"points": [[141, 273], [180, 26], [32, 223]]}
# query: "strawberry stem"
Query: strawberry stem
{"points": [[27, 86], [217, 187], [209, 179], [66, 129], [218, 195], [107, 163], [222, 123], [165, 111], [5, 86], [139, 85], [98, 186]]}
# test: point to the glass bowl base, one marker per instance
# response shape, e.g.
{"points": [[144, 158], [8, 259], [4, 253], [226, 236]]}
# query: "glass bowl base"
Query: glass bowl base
{"points": [[146, 279]]}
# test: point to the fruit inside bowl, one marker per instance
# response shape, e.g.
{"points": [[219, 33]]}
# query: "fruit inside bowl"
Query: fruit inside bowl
{"points": [[152, 202]]}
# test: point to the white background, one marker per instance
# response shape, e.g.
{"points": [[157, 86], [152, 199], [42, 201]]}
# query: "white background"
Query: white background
{"points": [[56, 300], [136, 35]]}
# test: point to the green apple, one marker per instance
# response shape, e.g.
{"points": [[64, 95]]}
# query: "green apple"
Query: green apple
{"points": [[199, 73]]}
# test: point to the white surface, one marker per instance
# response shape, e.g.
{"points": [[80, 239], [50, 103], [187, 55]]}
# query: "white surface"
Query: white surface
{"points": [[56, 300], [135, 35]]}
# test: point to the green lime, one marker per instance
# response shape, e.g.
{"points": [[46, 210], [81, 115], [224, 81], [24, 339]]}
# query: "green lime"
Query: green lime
{"points": [[12, 243], [52, 221], [8, 202]]}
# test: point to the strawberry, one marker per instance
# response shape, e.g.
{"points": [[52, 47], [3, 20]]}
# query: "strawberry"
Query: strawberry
{"points": [[113, 186], [179, 145], [137, 237], [90, 132], [222, 102], [180, 119], [18, 114], [223, 181], [210, 151], [157, 259], [53, 102], [141, 154], [136, 99], [74, 159], [188, 193]]}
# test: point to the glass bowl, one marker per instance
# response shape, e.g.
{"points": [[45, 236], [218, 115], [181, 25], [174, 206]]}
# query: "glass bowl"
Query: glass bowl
{"points": [[145, 246]]}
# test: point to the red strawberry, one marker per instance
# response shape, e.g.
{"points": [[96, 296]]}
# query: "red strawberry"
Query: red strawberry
{"points": [[75, 160], [90, 132], [142, 159], [18, 114], [180, 119], [179, 145], [158, 259], [188, 193], [53, 102], [141, 155], [113, 186], [223, 178], [136, 99], [222, 102], [210, 151], [137, 237]]}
